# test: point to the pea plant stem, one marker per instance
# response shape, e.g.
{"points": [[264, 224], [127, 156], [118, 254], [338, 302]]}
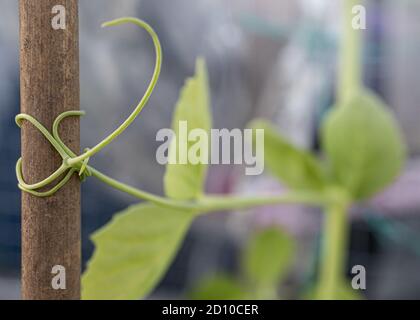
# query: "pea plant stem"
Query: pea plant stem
{"points": [[334, 251], [350, 69], [214, 203], [335, 233]]}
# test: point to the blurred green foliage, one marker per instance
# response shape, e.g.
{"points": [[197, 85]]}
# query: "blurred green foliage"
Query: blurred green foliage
{"points": [[265, 262]]}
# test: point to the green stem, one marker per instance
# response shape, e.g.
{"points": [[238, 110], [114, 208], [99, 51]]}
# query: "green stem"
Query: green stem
{"points": [[350, 73], [336, 226], [334, 252], [213, 203], [216, 203]]}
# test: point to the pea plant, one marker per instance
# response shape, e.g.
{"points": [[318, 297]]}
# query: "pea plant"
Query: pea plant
{"points": [[362, 152]]}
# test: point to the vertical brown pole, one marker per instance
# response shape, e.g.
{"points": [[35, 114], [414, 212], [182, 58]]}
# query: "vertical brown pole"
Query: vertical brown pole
{"points": [[49, 76]]}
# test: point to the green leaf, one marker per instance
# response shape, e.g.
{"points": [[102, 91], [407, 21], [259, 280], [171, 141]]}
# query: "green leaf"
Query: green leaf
{"points": [[268, 257], [297, 169], [219, 287], [133, 252], [364, 145], [186, 181]]}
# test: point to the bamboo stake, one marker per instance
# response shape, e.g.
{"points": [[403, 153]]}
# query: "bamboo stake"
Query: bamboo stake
{"points": [[49, 77]]}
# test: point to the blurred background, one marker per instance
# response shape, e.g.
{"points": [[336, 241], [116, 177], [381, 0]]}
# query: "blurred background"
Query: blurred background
{"points": [[268, 58]]}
